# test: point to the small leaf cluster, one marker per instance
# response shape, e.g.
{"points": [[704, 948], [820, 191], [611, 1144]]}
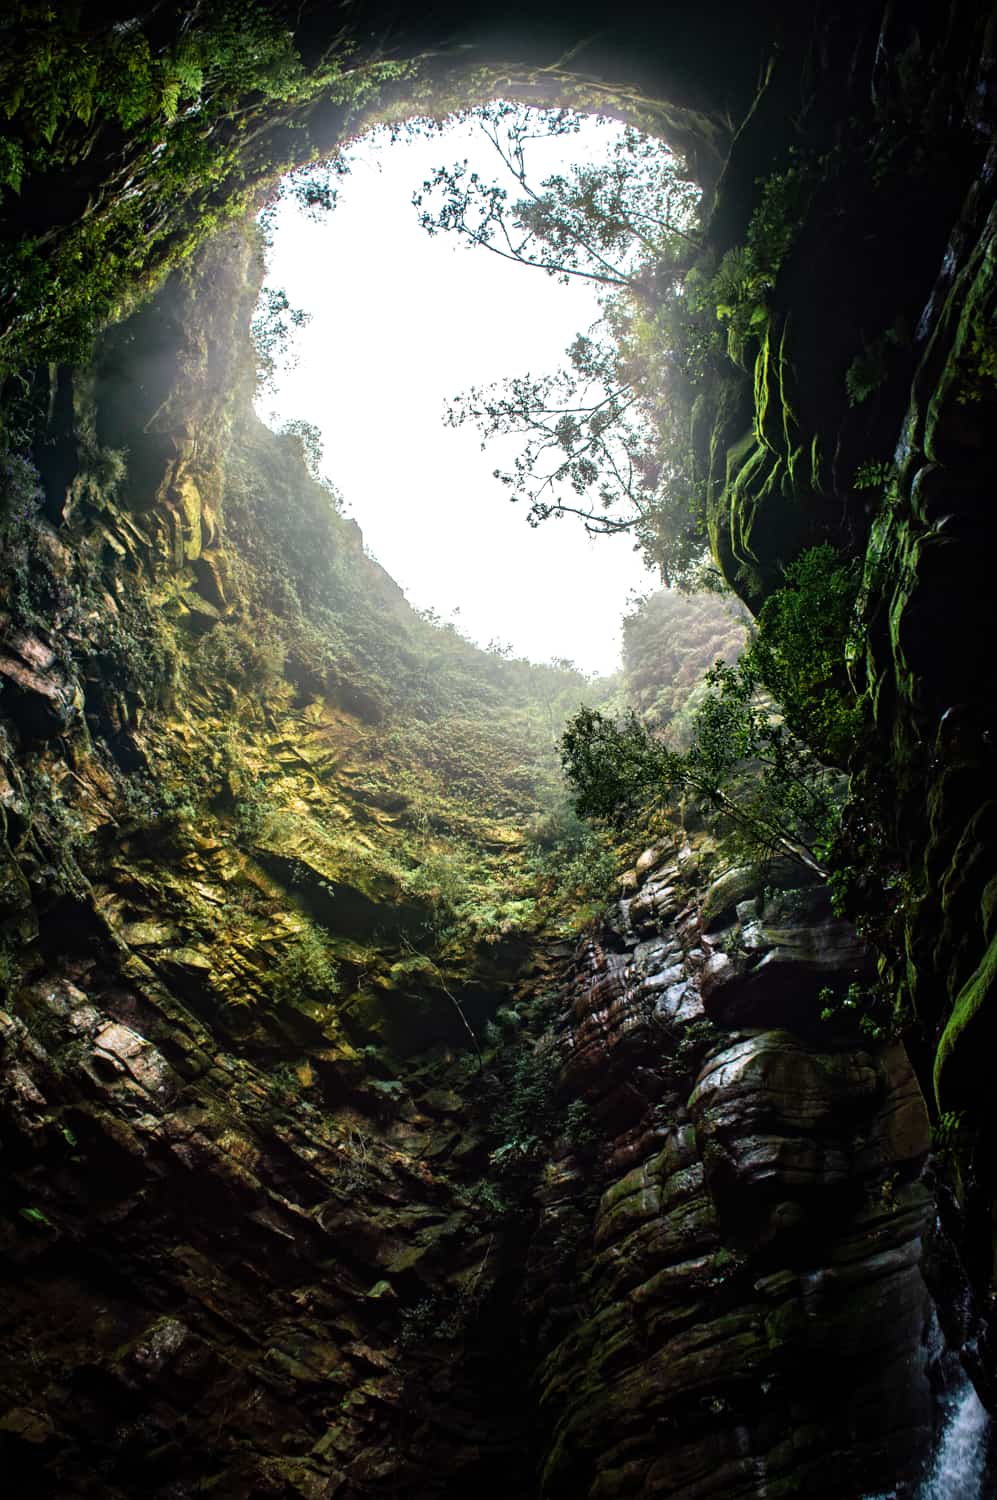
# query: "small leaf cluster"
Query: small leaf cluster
{"points": [[860, 1006], [306, 967], [273, 327], [738, 292]]}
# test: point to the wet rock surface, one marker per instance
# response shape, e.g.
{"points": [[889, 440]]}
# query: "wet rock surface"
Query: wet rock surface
{"points": [[753, 1289], [216, 1274], [257, 1245], [203, 1270]]}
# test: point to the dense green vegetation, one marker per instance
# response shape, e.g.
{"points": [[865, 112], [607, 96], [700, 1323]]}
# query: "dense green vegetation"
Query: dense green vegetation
{"points": [[764, 739], [670, 641], [189, 101], [458, 745]]}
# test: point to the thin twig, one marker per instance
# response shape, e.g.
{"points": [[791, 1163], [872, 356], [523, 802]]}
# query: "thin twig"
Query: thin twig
{"points": [[407, 943]]}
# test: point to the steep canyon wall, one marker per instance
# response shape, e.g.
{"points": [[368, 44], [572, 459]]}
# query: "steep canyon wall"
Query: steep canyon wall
{"points": [[267, 1227]]}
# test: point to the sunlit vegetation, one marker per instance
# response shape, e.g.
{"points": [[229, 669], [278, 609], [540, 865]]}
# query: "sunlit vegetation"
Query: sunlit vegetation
{"points": [[765, 738], [670, 641], [453, 749], [177, 99], [447, 801], [620, 438]]}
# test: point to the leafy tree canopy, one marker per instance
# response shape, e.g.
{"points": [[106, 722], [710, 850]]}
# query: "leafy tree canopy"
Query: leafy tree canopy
{"points": [[744, 765], [604, 437], [610, 222]]}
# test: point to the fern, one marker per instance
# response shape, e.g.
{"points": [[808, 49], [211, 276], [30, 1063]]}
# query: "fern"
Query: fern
{"points": [[873, 475], [11, 165]]}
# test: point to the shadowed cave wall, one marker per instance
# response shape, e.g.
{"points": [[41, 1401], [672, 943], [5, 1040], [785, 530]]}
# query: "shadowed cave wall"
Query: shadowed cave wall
{"points": [[253, 1239]]}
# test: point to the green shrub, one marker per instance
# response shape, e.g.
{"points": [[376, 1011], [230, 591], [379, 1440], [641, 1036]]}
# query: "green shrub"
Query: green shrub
{"points": [[527, 1113], [978, 368], [436, 1318], [306, 966], [862, 1008], [761, 767], [249, 653]]}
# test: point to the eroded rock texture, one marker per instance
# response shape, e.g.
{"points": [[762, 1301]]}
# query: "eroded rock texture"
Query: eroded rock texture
{"points": [[753, 1290], [261, 1236], [711, 1289], [203, 1282], [267, 1229]]}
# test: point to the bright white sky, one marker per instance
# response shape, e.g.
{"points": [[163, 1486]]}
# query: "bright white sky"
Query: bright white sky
{"points": [[402, 322]]}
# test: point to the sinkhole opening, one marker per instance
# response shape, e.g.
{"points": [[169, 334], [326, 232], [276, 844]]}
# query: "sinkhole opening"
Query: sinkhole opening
{"points": [[464, 312]]}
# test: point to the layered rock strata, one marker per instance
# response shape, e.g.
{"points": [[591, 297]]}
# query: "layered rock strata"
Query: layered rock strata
{"points": [[706, 1283], [242, 1253], [752, 1311]]}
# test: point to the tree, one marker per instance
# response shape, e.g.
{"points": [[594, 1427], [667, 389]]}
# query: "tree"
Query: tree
{"points": [[309, 436], [603, 438], [744, 765], [669, 641], [607, 222], [310, 188], [272, 328], [766, 740], [801, 649]]}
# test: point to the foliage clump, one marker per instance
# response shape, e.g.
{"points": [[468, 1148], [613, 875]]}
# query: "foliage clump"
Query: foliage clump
{"points": [[738, 291], [765, 739], [527, 1113], [603, 437], [670, 640], [182, 111], [800, 652], [306, 966], [274, 324], [528, 1108]]}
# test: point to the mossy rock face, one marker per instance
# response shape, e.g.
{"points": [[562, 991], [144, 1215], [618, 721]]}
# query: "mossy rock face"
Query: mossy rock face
{"points": [[766, 501], [262, 879], [283, 876], [732, 1240], [930, 565], [962, 1069], [870, 378]]}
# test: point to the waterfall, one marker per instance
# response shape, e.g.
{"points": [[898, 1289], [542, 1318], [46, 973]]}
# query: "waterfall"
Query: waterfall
{"points": [[958, 1470]]}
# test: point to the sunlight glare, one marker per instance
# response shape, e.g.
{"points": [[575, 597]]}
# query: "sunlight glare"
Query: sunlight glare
{"points": [[400, 323]]}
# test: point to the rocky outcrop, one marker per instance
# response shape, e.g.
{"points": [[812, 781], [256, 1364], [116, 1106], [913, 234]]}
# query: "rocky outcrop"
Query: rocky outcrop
{"points": [[218, 1272], [856, 407], [38, 698], [259, 1231], [270, 1224], [753, 1316], [239, 1228], [205, 1271]]}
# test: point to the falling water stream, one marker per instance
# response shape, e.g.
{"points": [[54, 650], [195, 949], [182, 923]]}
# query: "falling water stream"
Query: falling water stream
{"points": [[958, 1470], [959, 1467]]}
